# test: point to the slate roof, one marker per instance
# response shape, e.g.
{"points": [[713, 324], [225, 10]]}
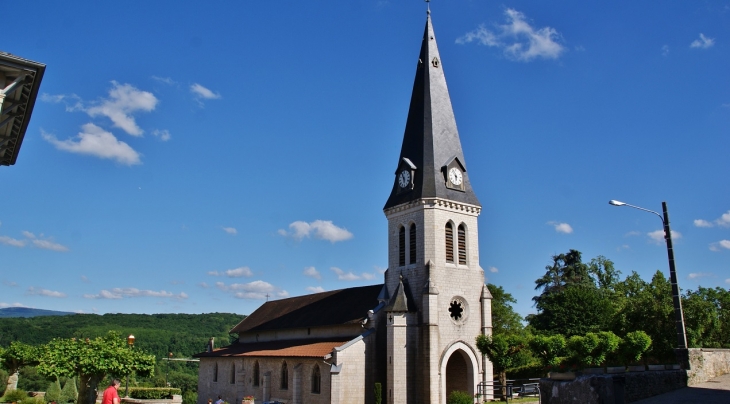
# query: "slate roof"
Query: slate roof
{"points": [[431, 139], [344, 306], [309, 348]]}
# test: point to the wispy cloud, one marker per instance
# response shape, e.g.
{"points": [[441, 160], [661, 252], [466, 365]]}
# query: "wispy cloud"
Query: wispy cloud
{"points": [[163, 135], [166, 80], [39, 242], [314, 289], [696, 275], [321, 229], [312, 273], [230, 230], [351, 276], [256, 290], [493, 270], [44, 292], [12, 241], [123, 101], [718, 246], [518, 39], [722, 221], [4, 305], [702, 223], [202, 92], [657, 236], [120, 293], [97, 142], [9, 283], [665, 50], [233, 273], [703, 42], [564, 228]]}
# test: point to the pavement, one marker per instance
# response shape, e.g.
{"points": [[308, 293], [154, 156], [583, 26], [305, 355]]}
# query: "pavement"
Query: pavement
{"points": [[714, 391]]}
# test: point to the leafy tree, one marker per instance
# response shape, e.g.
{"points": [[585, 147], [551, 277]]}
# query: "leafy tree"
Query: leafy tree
{"points": [[707, 317], [633, 346], [549, 349], [16, 356], [504, 319], [92, 360], [53, 392], [576, 310], [69, 393], [502, 351], [566, 269]]}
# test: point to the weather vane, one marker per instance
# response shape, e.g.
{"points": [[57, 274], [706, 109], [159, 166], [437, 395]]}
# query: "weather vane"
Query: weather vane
{"points": [[428, 6]]}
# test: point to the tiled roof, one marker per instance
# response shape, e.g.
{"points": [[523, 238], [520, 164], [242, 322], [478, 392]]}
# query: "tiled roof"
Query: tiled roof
{"points": [[312, 348], [344, 306]]}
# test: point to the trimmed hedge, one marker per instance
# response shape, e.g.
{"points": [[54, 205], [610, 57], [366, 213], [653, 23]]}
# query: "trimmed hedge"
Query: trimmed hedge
{"points": [[153, 393]]}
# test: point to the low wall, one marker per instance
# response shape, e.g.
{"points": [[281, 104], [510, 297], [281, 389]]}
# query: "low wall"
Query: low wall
{"points": [[611, 388], [707, 363]]}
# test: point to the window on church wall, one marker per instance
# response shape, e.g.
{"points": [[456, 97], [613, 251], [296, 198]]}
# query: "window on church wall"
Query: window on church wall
{"points": [[256, 373], [215, 372], [462, 245], [402, 246], [449, 242], [233, 373], [316, 380], [412, 244], [284, 377]]}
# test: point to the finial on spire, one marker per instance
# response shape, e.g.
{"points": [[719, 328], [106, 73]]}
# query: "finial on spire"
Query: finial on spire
{"points": [[428, 7]]}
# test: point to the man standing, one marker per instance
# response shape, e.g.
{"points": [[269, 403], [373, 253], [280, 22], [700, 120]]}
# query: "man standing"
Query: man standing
{"points": [[110, 394]]}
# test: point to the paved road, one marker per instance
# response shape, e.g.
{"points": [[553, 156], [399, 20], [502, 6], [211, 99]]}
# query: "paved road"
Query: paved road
{"points": [[715, 391]]}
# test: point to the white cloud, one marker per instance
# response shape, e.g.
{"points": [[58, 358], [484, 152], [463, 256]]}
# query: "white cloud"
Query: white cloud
{"points": [[203, 92], [702, 43], [10, 283], [665, 50], [632, 233], [493, 269], [727, 280], [367, 275], [321, 229], [164, 134], [561, 227], [657, 236], [518, 39], [84, 279], [49, 245], [230, 230], [722, 221], [119, 293], [166, 80], [204, 285], [12, 241], [314, 289], [233, 273], [702, 223], [695, 275], [4, 305], [344, 276], [124, 99], [256, 290], [44, 292], [720, 245], [95, 141], [312, 273]]}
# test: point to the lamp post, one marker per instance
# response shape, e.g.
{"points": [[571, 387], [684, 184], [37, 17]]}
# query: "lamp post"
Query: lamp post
{"points": [[167, 370], [676, 297], [130, 343]]}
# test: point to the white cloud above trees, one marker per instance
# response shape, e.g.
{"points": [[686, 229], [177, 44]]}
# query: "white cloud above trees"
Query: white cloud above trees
{"points": [[121, 293], [564, 228]]}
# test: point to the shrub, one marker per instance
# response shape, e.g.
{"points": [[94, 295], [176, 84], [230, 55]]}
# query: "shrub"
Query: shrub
{"points": [[581, 349], [152, 393], [53, 392], [378, 393], [460, 397], [190, 397], [549, 349], [633, 346], [14, 396], [33, 400], [529, 371], [70, 393]]}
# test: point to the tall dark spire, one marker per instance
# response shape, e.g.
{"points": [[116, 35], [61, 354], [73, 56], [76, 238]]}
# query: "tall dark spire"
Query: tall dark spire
{"points": [[431, 145]]}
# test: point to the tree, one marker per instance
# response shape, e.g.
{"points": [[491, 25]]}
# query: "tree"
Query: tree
{"points": [[16, 356], [707, 317], [92, 360], [504, 319], [576, 310], [567, 269], [69, 393], [502, 350]]}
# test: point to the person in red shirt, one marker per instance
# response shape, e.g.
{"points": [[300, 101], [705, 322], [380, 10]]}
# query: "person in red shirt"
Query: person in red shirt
{"points": [[110, 394]]}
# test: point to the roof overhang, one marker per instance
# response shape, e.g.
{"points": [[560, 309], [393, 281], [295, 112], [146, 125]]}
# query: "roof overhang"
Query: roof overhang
{"points": [[20, 80]]}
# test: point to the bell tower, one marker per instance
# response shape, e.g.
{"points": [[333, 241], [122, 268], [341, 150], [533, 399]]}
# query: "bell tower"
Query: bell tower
{"points": [[439, 303]]}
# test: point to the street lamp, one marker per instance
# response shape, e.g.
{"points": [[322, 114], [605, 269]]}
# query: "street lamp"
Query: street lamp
{"points": [[130, 343], [169, 356], [676, 297]]}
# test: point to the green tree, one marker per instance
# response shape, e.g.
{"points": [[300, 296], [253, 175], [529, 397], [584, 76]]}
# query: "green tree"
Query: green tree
{"points": [[566, 269], [53, 392], [707, 317], [502, 350], [504, 319], [16, 356], [576, 310], [69, 393], [92, 360]]}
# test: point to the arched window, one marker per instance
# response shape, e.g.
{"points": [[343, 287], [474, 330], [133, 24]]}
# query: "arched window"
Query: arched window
{"points": [[233, 373], [412, 244], [449, 242], [462, 245], [284, 376], [316, 379], [402, 246], [215, 372], [256, 373]]}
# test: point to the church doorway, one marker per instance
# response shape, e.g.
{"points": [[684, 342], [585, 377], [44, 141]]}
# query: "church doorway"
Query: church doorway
{"points": [[459, 373]]}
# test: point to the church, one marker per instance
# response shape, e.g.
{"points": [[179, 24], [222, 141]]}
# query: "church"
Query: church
{"points": [[413, 336]]}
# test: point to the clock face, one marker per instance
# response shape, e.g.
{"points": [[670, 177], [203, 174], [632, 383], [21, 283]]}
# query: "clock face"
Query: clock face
{"points": [[455, 176], [404, 179]]}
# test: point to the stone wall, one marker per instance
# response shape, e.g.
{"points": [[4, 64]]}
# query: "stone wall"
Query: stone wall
{"points": [[611, 388], [707, 363]]}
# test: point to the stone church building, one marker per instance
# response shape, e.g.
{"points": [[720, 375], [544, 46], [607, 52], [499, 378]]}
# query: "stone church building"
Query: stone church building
{"points": [[415, 333]]}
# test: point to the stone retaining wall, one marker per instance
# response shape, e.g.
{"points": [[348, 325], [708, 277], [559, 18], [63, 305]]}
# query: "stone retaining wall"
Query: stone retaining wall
{"points": [[611, 388], [707, 363]]}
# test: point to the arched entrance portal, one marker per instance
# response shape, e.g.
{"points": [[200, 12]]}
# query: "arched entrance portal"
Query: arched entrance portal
{"points": [[460, 367]]}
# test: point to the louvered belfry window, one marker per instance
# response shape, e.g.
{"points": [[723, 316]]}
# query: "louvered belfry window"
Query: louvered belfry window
{"points": [[412, 244], [402, 247], [462, 245], [449, 243]]}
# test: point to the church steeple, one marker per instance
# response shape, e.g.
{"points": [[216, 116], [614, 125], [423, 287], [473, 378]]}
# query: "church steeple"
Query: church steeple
{"points": [[431, 163]]}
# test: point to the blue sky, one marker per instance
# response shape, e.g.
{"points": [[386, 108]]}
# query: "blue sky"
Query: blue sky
{"points": [[189, 157]]}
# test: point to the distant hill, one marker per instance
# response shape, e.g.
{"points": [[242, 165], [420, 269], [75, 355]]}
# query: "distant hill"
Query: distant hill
{"points": [[28, 312]]}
